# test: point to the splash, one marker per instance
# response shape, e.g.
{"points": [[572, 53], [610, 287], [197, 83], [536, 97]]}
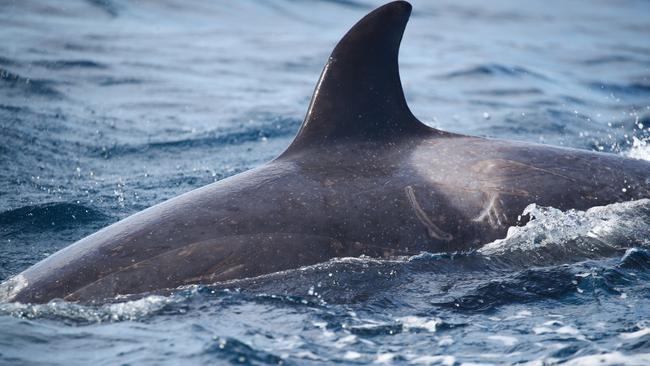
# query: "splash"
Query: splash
{"points": [[597, 232], [640, 149], [79, 314]]}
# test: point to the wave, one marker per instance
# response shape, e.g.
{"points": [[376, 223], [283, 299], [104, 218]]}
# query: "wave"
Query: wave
{"points": [[637, 259], [504, 92], [107, 6], [277, 127], [7, 61], [28, 86], [112, 81], [236, 351], [551, 124], [612, 59], [633, 88], [47, 216], [494, 70], [610, 359], [69, 64]]}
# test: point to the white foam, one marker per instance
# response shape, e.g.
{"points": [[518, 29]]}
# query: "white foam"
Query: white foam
{"points": [[445, 341], [557, 327], [351, 355], [611, 359], [507, 341], [415, 322], [308, 355], [385, 358], [637, 334], [618, 225], [131, 310], [520, 315], [323, 326], [128, 310], [445, 360], [640, 149], [345, 341]]}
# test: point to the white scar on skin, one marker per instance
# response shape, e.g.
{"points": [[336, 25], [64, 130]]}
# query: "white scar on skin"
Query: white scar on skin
{"points": [[492, 212], [10, 288], [434, 231]]}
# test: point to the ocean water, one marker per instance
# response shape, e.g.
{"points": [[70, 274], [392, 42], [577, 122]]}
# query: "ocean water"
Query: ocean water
{"points": [[108, 107]]}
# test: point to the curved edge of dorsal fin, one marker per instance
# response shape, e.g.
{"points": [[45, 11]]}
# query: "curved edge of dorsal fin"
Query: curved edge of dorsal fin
{"points": [[359, 95]]}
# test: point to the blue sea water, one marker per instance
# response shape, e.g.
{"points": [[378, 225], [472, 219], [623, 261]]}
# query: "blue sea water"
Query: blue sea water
{"points": [[108, 107]]}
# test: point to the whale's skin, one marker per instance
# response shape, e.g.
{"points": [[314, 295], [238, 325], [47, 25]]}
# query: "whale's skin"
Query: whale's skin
{"points": [[363, 177]]}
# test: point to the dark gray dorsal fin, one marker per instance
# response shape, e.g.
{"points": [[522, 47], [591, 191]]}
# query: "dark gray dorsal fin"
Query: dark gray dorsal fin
{"points": [[359, 96]]}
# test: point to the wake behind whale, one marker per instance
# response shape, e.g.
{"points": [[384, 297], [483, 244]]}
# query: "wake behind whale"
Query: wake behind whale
{"points": [[363, 177]]}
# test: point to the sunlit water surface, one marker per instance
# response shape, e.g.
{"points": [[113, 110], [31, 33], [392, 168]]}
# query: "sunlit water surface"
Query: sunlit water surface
{"points": [[108, 107]]}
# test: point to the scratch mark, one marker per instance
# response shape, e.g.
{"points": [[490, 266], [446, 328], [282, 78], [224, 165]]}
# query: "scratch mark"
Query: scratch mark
{"points": [[492, 211], [504, 163], [434, 231]]}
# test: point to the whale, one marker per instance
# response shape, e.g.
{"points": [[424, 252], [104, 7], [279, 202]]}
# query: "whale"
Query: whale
{"points": [[362, 177]]}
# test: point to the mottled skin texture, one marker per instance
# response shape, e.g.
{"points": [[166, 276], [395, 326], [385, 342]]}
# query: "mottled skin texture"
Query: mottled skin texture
{"points": [[362, 177]]}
